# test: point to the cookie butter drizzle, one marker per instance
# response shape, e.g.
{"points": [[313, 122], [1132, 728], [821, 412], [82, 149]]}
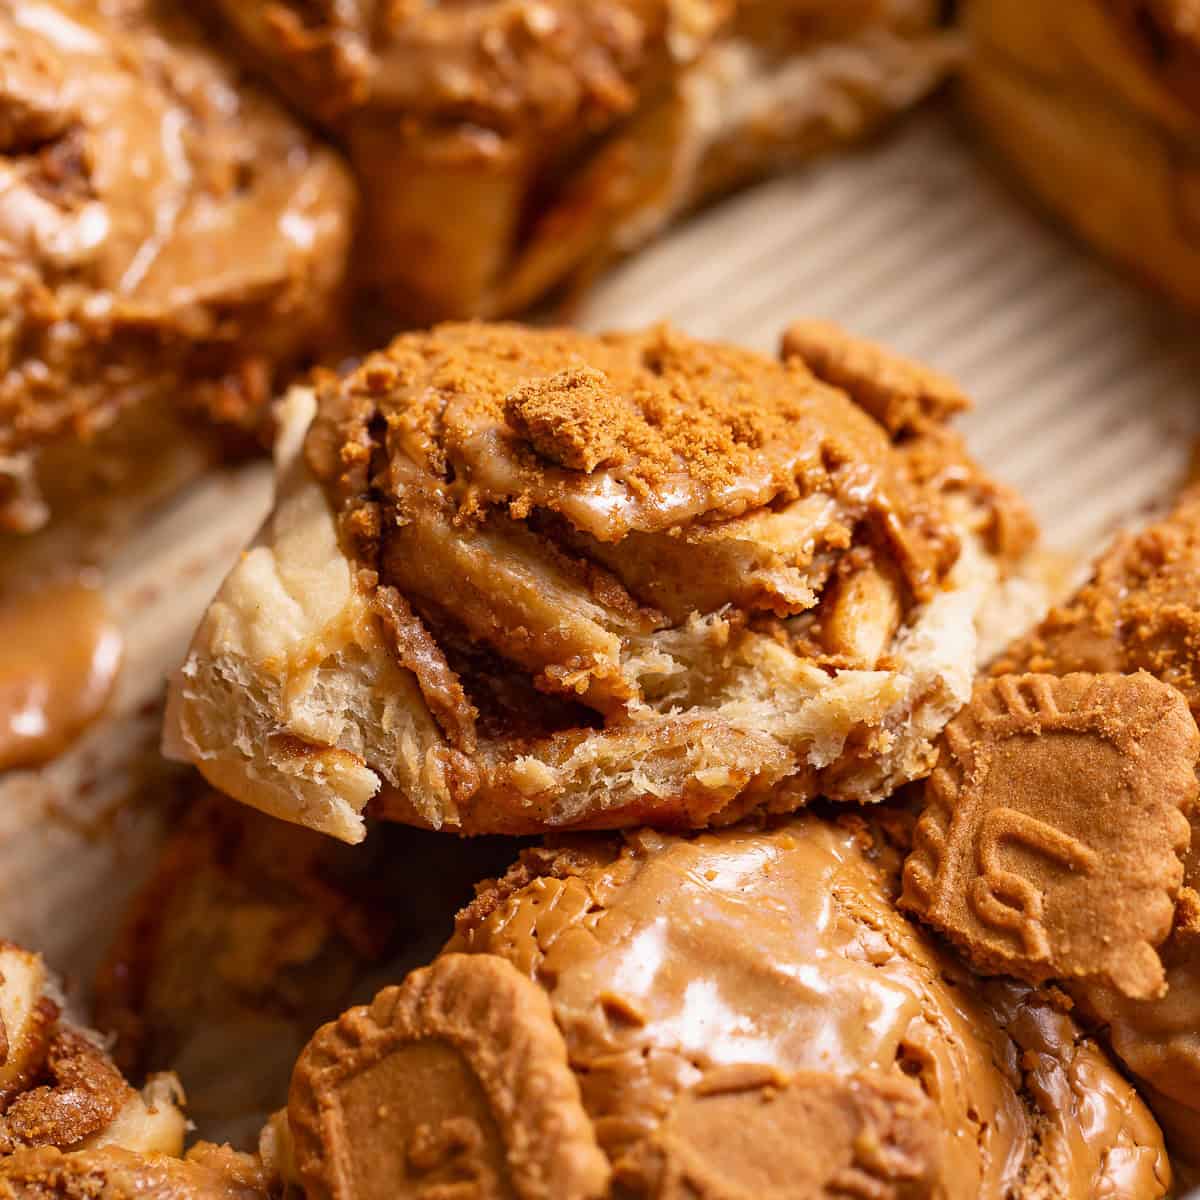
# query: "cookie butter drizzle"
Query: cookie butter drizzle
{"points": [[642, 947], [60, 652]]}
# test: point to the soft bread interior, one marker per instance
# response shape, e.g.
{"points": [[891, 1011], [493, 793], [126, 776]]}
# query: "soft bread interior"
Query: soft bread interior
{"points": [[287, 689]]}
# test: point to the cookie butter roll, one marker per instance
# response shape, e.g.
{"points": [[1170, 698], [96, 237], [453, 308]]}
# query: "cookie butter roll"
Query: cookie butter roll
{"points": [[1139, 616], [739, 1013], [1096, 106], [506, 147], [169, 239], [70, 1125], [519, 579]]}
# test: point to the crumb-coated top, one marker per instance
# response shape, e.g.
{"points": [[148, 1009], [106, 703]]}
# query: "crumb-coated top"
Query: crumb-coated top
{"points": [[617, 434], [1139, 611]]}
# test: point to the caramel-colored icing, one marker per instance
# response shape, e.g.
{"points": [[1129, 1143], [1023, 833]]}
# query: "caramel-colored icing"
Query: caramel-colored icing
{"points": [[666, 959], [59, 656], [167, 232]]}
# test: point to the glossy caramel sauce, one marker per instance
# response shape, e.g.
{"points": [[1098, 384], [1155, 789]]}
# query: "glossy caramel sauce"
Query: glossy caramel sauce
{"points": [[60, 653]]}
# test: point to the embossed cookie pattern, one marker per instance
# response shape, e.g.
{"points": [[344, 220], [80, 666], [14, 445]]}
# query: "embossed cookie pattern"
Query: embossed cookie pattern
{"points": [[454, 1083], [1054, 824]]}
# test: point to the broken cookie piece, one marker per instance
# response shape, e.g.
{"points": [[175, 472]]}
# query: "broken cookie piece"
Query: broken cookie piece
{"points": [[1054, 827], [505, 148], [740, 1013], [70, 1125], [520, 579], [1140, 610]]}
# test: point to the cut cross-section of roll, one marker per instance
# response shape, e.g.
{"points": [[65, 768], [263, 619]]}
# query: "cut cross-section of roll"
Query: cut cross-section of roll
{"points": [[521, 579]]}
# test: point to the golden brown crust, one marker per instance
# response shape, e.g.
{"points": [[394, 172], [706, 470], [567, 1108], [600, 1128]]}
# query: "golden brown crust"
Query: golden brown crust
{"points": [[1054, 823], [82, 1095], [168, 234], [71, 1126], [457, 1077]]}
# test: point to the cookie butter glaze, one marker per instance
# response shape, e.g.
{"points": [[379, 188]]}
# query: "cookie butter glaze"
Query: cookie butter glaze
{"points": [[667, 959], [59, 656], [165, 230]]}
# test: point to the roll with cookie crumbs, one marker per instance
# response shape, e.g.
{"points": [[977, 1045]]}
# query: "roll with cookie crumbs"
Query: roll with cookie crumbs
{"points": [[522, 579], [740, 1013]]}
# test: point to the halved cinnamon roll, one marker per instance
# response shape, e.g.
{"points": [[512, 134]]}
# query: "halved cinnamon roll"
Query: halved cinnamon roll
{"points": [[521, 579], [505, 147]]}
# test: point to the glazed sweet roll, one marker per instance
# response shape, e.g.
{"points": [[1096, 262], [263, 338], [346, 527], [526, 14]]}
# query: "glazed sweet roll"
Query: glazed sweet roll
{"points": [[508, 147], [739, 1013], [170, 242], [519, 579]]}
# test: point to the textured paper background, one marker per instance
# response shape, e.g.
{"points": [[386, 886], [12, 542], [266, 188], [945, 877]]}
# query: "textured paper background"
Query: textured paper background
{"points": [[1086, 395]]}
